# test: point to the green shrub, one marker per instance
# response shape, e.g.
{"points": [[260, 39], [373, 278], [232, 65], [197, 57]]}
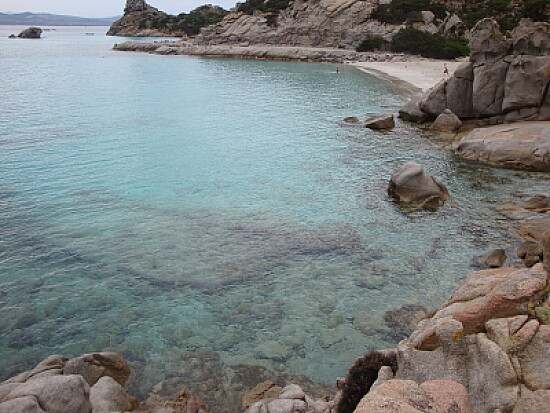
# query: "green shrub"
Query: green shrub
{"points": [[538, 10], [198, 18], [472, 18], [415, 41], [399, 11], [370, 44], [499, 5], [269, 6], [507, 23]]}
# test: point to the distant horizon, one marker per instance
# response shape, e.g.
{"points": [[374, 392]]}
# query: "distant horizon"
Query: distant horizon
{"points": [[58, 14], [101, 8]]}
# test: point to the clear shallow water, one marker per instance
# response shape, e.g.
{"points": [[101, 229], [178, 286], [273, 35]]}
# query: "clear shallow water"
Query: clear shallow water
{"points": [[164, 205]]}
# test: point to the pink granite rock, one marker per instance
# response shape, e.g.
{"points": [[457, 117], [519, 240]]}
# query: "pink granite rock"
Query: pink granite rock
{"points": [[406, 396], [486, 295]]}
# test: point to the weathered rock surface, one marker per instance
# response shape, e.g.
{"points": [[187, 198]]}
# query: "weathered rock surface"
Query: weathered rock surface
{"points": [[55, 394], [136, 22], [538, 203], [524, 145], [447, 121], [31, 33], [411, 112], [324, 23], [505, 81], [380, 122], [272, 52], [109, 396], [264, 390], [407, 396], [96, 365], [484, 339], [61, 385], [410, 185], [494, 259], [292, 399]]}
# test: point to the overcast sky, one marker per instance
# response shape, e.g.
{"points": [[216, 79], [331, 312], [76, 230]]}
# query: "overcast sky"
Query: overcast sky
{"points": [[101, 8]]}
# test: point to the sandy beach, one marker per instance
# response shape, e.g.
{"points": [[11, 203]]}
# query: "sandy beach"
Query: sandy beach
{"points": [[420, 74]]}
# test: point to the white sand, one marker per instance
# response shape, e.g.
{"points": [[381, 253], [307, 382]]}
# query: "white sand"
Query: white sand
{"points": [[421, 73]]}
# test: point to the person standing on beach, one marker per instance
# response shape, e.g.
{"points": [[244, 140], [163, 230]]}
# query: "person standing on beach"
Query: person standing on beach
{"points": [[445, 69]]}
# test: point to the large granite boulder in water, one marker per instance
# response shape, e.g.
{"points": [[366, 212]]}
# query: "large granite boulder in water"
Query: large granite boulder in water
{"points": [[30, 33], [410, 185], [524, 145], [506, 79]]}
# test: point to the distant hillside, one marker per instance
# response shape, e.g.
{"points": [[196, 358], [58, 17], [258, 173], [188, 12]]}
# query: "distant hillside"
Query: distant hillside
{"points": [[45, 19]]}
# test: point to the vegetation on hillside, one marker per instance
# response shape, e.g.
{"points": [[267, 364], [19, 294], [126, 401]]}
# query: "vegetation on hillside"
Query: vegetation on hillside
{"points": [[506, 12], [190, 23], [399, 11], [271, 7], [371, 44], [415, 41]]}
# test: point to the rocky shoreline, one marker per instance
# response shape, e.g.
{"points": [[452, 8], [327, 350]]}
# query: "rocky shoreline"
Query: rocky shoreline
{"points": [[485, 350]]}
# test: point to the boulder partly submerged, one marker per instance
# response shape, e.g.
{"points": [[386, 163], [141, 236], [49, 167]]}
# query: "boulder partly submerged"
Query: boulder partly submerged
{"points": [[31, 33], [524, 145], [411, 186]]}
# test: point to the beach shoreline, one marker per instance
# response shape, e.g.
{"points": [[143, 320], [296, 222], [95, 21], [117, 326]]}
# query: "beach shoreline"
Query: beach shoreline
{"points": [[416, 74], [413, 74]]}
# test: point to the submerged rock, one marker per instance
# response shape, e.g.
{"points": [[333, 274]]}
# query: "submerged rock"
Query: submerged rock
{"points": [[410, 185], [494, 259], [538, 203], [30, 33], [351, 119], [380, 122]]}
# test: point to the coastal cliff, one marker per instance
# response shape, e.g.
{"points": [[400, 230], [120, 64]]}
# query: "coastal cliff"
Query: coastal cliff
{"points": [[317, 23], [142, 20]]}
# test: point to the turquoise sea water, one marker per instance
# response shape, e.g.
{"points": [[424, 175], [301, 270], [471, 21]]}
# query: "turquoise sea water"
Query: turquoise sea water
{"points": [[159, 206]]}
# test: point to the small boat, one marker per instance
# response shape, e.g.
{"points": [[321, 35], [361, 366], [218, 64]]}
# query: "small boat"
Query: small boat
{"points": [[90, 34]]}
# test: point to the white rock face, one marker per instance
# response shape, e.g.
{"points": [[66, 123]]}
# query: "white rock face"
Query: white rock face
{"points": [[313, 23]]}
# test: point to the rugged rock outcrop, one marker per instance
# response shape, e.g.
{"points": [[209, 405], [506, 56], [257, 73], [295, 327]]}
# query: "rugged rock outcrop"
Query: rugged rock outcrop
{"points": [[506, 79], [31, 33], [140, 20], [61, 385], [292, 399], [488, 338], [318, 23], [523, 145], [407, 396], [381, 122], [249, 52], [410, 185]]}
